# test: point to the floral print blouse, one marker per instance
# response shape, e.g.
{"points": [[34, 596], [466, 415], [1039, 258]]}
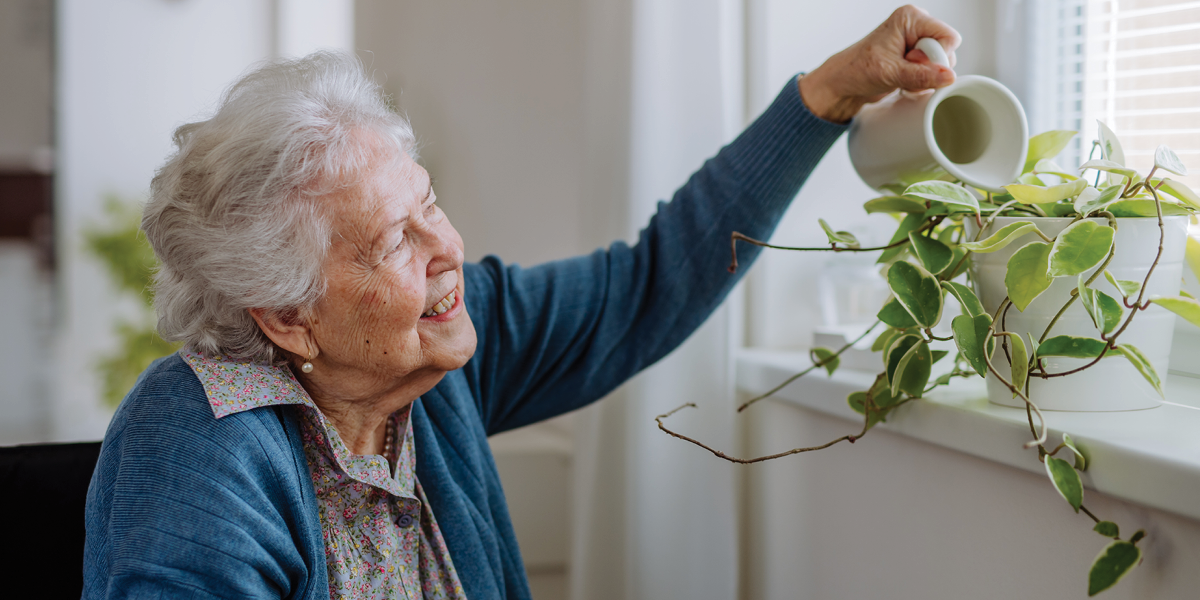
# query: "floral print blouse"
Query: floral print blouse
{"points": [[381, 538]]}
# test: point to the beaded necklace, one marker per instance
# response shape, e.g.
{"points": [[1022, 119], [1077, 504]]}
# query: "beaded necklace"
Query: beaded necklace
{"points": [[389, 441]]}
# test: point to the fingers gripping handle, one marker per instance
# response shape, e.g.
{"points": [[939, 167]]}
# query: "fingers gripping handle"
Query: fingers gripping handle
{"points": [[934, 50]]}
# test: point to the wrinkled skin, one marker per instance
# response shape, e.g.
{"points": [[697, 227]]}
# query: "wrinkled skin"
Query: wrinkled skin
{"points": [[876, 65], [393, 256]]}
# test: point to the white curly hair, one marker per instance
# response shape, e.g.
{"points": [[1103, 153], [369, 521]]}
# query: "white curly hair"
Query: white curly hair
{"points": [[236, 216]]}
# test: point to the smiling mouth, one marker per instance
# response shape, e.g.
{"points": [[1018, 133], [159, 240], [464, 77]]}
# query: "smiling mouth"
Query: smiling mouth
{"points": [[444, 305]]}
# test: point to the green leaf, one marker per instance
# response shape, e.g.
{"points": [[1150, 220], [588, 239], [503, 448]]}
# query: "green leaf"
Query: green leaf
{"points": [[1019, 361], [1108, 166], [967, 298], [1087, 203], [1137, 536], [1192, 254], [1185, 294], [944, 192], [1105, 311], [1085, 199], [893, 314], [1128, 289], [1113, 563], [900, 346], [894, 204], [1034, 194], [1184, 307], [1107, 529], [999, 240], [1143, 365], [1059, 209], [1046, 145], [918, 292], [939, 355], [942, 379], [1026, 277], [839, 237], [1167, 160], [1029, 179], [821, 354], [1072, 347], [1110, 149], [957, 264], [1080, 459], [881, 342], [1066, 481], [1141, 207], [1047, 166], [1181, 191], [910, 223], [1079, 247], [1033, 347], [881, 395], [970, 334], [912, 372], [932, 253], [858, 403]]}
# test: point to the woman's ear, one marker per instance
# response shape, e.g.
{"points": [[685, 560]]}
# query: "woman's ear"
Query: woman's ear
{"points": [[292, 335]]}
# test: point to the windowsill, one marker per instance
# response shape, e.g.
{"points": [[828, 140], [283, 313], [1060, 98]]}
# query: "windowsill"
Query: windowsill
{"points": [[1150, 457]]}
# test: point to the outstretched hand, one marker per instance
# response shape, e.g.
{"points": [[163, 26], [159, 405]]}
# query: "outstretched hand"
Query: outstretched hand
{"points": [[876, 65]]}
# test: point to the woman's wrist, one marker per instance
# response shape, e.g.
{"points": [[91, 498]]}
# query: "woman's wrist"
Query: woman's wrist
{"points": [[824, 102]]}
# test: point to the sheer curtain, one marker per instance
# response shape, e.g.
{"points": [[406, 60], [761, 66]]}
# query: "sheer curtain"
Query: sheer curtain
{"points": [[656, 517]]}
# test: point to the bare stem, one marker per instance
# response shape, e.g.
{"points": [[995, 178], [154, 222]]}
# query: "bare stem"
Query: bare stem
{"points": [[815, 365], [737, 235], [867, 409], [1041, 438]]}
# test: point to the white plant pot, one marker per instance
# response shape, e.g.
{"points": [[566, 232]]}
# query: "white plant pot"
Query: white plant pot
{"points": [[1113, 384]]}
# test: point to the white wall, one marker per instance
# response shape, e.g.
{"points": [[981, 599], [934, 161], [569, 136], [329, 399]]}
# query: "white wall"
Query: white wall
{"points": [[26, 57], [130, 72], [495, 93], [26, 288], [892, 517]]}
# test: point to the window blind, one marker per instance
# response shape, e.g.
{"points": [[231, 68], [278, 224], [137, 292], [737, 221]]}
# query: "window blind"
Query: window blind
{"points": [[1141, 76]]}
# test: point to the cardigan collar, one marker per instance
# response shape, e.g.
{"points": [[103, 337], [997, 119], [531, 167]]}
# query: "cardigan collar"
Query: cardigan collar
{"points": [[237, 385]]}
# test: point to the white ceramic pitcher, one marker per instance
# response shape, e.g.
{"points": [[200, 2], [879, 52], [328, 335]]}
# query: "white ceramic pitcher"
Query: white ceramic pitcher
{"points": [[974, 128]]}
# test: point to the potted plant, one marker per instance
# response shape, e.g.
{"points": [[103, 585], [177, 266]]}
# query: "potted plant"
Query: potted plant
{"points": [[1062, 273]]}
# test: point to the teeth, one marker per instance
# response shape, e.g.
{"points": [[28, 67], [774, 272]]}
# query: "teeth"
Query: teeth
{"points": [[442, 306]]}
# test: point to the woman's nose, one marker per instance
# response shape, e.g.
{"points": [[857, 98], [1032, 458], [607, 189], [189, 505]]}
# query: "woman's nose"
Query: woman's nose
{"points": [[445, 248]]}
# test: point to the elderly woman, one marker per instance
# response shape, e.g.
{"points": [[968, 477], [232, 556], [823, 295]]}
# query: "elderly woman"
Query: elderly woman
{"points": [[323, 433]]}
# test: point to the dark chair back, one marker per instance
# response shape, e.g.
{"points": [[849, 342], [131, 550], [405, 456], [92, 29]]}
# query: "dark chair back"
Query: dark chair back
{"points": [[43, 488]]}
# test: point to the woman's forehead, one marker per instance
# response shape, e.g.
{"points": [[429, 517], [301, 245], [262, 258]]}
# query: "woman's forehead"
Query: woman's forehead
{"points": [[392, 187]]}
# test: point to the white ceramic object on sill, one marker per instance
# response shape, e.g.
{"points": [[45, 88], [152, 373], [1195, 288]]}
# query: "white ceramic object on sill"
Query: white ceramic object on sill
{"points": [[1113, 384]]}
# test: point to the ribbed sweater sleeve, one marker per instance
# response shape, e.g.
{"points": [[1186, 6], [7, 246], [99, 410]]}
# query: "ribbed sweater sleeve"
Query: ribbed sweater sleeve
{"points": [[555, 337]]}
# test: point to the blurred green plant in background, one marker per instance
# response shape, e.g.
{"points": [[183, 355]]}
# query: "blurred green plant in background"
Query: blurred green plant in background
{"points": [[121, 246]]}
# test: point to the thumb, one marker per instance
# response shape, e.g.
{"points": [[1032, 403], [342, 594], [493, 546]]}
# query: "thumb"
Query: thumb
{"points": [[923, 75]]}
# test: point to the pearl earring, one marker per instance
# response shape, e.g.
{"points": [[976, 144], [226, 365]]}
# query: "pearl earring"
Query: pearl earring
{"points": [[307, 367]]}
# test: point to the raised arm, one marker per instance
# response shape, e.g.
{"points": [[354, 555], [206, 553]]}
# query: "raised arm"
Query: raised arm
{"points": [[558, 336]]}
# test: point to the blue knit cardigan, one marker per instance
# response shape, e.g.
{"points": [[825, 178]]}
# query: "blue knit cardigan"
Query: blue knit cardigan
{"points": [[183, 505]]}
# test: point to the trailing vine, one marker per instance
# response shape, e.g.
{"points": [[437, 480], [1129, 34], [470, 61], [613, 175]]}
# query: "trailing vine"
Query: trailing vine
{"points": [[930, 254]]}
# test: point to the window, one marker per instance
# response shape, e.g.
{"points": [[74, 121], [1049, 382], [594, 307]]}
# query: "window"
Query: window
{"points": [[1133, 64]]}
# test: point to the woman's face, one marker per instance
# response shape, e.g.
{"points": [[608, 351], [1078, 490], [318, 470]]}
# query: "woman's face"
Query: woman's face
{"points": [[393, 315]]}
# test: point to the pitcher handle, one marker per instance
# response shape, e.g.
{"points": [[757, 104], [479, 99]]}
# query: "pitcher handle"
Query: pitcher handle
{"points": [[934, 50]]}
